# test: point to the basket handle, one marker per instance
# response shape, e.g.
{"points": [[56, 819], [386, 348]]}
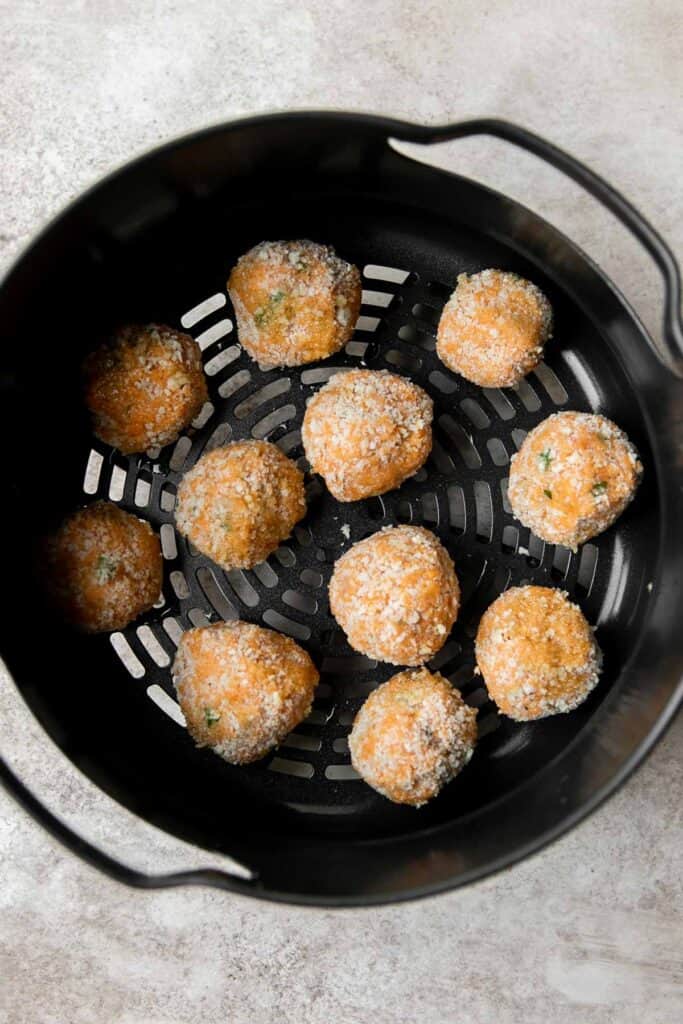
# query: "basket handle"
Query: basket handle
{"points": [[597, 187], [107, 864]]}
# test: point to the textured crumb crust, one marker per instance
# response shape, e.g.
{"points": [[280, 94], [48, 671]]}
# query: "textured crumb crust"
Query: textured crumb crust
{"points": [[295, 302], [537, 653], [396, 595], [239, 502], [412, 736], [573, 476], [144, 386], [366, 431], [103, 568], [242, 688], [493, 328]]}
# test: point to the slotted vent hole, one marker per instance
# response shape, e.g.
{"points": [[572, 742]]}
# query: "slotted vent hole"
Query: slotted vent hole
{"points": [[475, 413], [430, 509], [368, 323], [93, 468], [180, 453], [500, 403], [462, 441], [203, 309], [242, 587], [299, 769], [117, 483], [497, 451], [143, 490], [527, 395], [198, 617], [220, 436], [391, 274], [167, 497], [297, 630], [166, 704], [127, 655], [213, 334], [535, 551], [376, 298], [588, 564], [172, 628], [265, 394], [265, 575], [447, 385], [215, 595], [561, 561], [169, 548], [457, 509], [300, 602], [552, 384], [233, 384], [510, 539], [274, 419], [484, 508], [413, 336], [221, 360], [152, 646]]}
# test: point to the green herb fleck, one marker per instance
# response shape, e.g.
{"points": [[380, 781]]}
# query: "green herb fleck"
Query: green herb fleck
{"points": [[548, 494], [301, 265], [262, 315], [599, 488], [211, 716], [226, 524], [106, 569], [545, 458]]}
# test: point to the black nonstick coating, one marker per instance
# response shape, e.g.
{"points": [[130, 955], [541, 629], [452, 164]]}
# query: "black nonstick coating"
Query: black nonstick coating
{"points": [[157, 243]]}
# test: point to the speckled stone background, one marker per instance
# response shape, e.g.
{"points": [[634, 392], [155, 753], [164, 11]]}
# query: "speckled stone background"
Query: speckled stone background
{"points": [[587, 932]]}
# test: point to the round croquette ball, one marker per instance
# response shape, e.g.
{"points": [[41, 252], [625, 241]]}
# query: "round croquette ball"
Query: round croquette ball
{"points": [[103, 568], [412, 736], [536, 653], [144, 386], [239, 502], [573, 476], [366, 431], [295, 302], [242, 688], [493, 328], [395, 595]]}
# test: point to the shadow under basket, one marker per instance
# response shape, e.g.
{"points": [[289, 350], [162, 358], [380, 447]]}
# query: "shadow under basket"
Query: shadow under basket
{"points": [[156, 241]]}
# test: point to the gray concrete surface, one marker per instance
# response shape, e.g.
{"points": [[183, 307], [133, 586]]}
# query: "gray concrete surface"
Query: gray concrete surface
{"points": [[589, 931]]}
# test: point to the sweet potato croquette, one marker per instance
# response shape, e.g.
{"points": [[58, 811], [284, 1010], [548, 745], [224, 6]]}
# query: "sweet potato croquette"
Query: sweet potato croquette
{"points": [[242, 688], [536, 653], [573, 476], [295, 302], [366, 431], [395, 595], [239, 502], [412, 735], [103, 568], [493, 328], [144, 386]]}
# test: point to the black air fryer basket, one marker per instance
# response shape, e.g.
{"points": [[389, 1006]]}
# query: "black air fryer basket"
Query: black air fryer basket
{"points": [[155, 242]]}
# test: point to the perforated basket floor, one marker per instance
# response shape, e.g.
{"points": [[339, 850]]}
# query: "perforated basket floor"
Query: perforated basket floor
{"points": [[460, 493]]}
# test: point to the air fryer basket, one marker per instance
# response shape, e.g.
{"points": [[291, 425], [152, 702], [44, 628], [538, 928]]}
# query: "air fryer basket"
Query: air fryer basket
{"points": [[155, 241]]}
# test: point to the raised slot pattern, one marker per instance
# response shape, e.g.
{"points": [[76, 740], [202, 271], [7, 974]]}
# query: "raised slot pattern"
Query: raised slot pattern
{"points": [[169, 706], [203, 309], [392, 274], [461, 492], [214, 333], [93, 468]]}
